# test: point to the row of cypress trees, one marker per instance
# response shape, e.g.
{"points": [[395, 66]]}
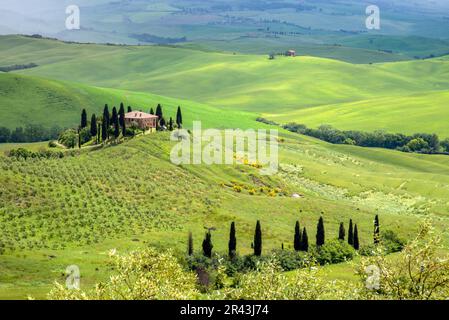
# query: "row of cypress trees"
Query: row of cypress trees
{"points": [[116, 120], [300, 242]]}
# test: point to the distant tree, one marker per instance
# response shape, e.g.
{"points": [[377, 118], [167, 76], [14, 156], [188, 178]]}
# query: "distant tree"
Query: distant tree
{"points": [[320, 234], [5, 135], [350, 233], [179, 117], [297, 239], [93, 125], [376, 230], [342, 232], [84, 135], [130, 109], [83, 119], [69, 138], [190, 244], [152, 111], [106, 121], [159, 112], [170, 124], [98, 133], [207, 245], [356, 238], [114, 118], [104, 130], [258, 240], [121, 115], [304, 241], [232, 246]]}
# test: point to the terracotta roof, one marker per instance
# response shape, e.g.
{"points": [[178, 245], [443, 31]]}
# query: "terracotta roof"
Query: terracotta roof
{"points": [[139, 115]]}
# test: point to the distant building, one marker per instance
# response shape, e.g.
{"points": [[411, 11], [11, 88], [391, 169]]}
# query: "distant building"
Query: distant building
{"points": [[142, 120], [291, 53]]}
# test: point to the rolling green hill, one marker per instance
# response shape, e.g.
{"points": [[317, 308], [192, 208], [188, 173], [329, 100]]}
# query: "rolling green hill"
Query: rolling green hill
{"points": [[50, 103], [59, 212], [425, 112], [283, 88]]}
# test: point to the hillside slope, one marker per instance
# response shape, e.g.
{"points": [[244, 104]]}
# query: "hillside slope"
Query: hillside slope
{"points": [[31, 100], [282, 88]]}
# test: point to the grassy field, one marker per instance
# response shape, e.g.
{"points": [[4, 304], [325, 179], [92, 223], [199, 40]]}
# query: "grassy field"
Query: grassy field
{"points": [[302, 89], [59, 212], [49, 103], [149, 201]]}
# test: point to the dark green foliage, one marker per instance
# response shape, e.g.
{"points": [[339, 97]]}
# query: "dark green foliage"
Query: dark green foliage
{"points": [[114, 117], [351, 233], [179, 117], [152, 111], [391, 241], [356, 238], [232, 245], [84, 119], [376, 230], [130, 109], [304, 241], [106, 122], [419, 142], [69, 138], [342, 232], [104, 131], [162, 122], [207, 245], [84, 135], [121, 114], [170, 124], [22, 153], [159, 111], [190, 245], [116, 130], [320, 233], [31, 133], [297, 238], [290, 260], [334, 251], [258, 240], [93, 126]]}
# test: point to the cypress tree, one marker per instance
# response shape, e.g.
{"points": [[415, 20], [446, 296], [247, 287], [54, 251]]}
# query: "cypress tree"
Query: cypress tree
{"points": [[170, 124], [297, 239], [376, 230], [320, 234], [258, 240], [207, 245], [232, 246], [106, 121], [93, 125], [152, 111], [159, 111], [130, 109], [179, 117], [350, 233], [356, 238], [162, 122], [121, 114], [342, 232], [304, 241], [83, 119], [114, 119], [98, 133], [104, 131], [190, 244]]}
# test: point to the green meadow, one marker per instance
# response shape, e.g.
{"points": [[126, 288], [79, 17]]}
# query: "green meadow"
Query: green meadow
{"points": [[302, 89], [59, 212]]}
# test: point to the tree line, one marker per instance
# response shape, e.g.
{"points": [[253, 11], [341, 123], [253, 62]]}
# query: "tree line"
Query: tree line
{"points": [[29, 133], [419, 142], [300, 239]]}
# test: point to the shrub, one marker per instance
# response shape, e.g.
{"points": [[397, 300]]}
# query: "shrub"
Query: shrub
{"points": [[391, 241], [290, 260], [334, 251], [69, 138]]}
